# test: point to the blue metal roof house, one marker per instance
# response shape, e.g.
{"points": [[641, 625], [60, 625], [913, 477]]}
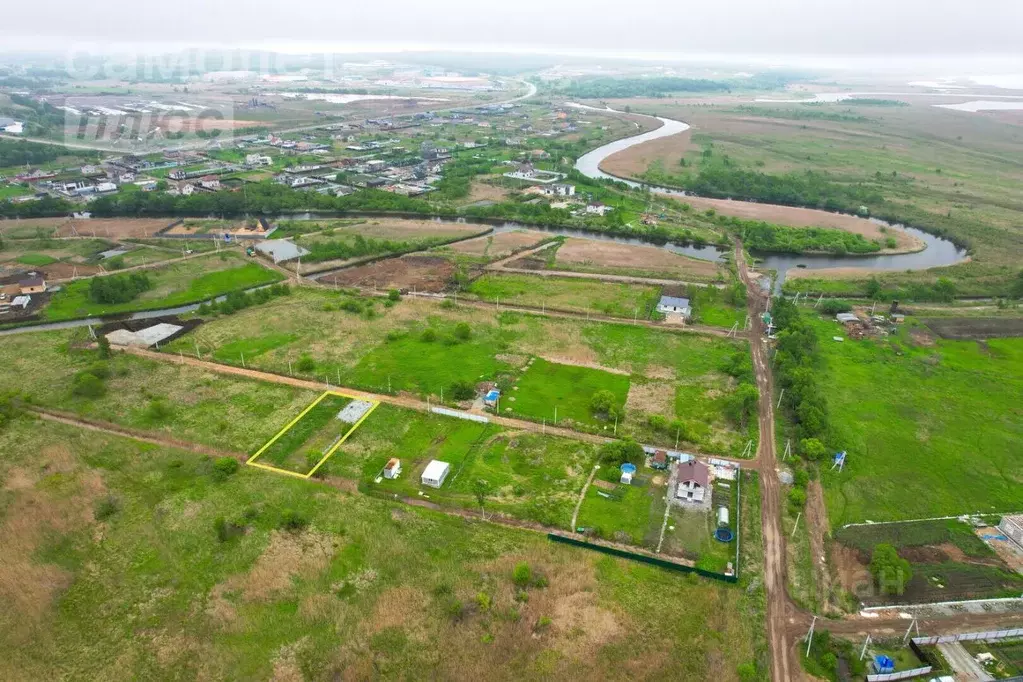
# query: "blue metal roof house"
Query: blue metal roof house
{"points": [[674, 305]]}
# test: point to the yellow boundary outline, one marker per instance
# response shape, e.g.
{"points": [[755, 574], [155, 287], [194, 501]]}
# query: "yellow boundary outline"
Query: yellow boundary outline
{"points": [[251, 461]]}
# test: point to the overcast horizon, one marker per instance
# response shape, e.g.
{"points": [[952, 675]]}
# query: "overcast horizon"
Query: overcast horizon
{"points": [[784, 31]]}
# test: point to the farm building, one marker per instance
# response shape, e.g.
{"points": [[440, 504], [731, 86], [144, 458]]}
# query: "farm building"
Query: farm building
{"points": [[693, 481], [674, 305], [435, 473], [393, 468], [1012, 526]]}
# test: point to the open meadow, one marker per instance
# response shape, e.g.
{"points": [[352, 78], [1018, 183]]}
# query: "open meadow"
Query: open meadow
{"points": [[932, 427], [125, 560]]}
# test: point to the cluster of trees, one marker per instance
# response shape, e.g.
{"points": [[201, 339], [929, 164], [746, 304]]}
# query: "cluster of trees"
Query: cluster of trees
{"points": [[458, 177], [796, 363], [742, 404], [890, 571], [263, 198], [761, 236], [118, 288], [91, 382], [811, 112], [942, 290], [808, 188], [45, 207], [40, 117], [24, 153], [604, 406], [240, 300], [603, 87]]}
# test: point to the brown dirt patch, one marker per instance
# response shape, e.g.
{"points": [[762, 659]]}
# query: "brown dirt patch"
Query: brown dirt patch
{"points": [[512, 360], [68, 270], [500, 245], [484, 191], [660, 372], [424, 273], [651, 398], [853, 574], [116, 228], [400, 607], [922, 337], [1005, 549], [286, 556], [604, 485], [577, 362], [793, 216], [650, 259], [581, 626], [636, 160], [398, 229]]}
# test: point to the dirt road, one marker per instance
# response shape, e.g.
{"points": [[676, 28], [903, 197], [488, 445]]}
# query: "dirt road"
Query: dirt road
{"points": [[817, 526], [778, 604]]}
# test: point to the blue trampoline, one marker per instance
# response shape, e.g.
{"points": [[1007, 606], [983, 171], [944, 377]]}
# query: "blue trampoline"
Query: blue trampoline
{"points": [[723, 535]]}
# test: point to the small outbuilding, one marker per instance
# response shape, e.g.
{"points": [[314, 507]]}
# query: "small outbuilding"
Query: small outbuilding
{"points": [[659, 460], [435, 473], [393, 468], [491, 398]]}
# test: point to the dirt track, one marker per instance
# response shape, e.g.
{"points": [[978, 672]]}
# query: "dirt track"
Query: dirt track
{"points": [[778, 603]]}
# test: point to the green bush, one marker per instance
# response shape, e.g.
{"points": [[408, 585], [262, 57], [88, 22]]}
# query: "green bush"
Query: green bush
{"points": [[462, 331], [306, 364], [227, 530], [394, 295], [834, 306], [87, 385], [522, 574], [891, 572], [428, 335], [224, 467], [463, 390], [106, 508], [293, 521], [617, 452]]}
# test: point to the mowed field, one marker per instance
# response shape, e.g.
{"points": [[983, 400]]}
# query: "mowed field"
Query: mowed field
{"points": [[564, 293], [114, 569], [412, 346], [932, 427]]}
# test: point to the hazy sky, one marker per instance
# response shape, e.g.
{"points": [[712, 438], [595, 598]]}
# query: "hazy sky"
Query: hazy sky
{"points": [[825, 27]]}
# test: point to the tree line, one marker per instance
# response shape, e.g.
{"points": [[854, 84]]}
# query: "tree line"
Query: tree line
{"points": [[118, 288]]}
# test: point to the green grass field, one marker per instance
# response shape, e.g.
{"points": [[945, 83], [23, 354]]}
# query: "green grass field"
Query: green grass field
{"points": [[182, 283], [36, 259], [672, 374], [114, 570], [622, 515], [931, 430], [302, 446], [548, 385], [615, 300]]}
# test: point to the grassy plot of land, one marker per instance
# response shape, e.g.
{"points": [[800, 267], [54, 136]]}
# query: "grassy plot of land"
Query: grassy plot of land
{"points": [[315, 336], [224, 412], [617, 300], [186, 282], [303, 445], [931, 428], [528, 476], [619, 512], [37, 259], [129, 561], [549, 386]]}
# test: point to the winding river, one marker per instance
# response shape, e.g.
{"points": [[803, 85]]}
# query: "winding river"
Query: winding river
{"points": [[937, 251]]}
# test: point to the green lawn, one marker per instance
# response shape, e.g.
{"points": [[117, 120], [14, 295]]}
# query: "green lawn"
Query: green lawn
{"points": [[119, 574], [617, 300], [36, 259], [931, 430], [622, 514], [182, 283], [548, 385]]}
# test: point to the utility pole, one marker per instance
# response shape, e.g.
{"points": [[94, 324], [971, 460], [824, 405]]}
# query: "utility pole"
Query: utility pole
{"points": [[243, 359], [678, 432], [555, 414], [809, 636], [197, 356], [819, 299], [780, 395], [290, 373], [912, 625], [863, 651], [796, 526]]}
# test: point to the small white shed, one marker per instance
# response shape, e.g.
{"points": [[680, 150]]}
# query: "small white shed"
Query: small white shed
{"points": [[435, 473]]}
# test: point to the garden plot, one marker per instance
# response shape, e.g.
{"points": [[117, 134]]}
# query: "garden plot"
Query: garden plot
{"points": [[947, 559], [566, 394], [636, 513], [302, 446]]}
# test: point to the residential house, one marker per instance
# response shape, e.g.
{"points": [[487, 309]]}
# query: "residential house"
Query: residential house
{"points": [[32, 285], [105, 188], [258, 160], [597, 208], [659, 460], [693, 481], [675, 305]]}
